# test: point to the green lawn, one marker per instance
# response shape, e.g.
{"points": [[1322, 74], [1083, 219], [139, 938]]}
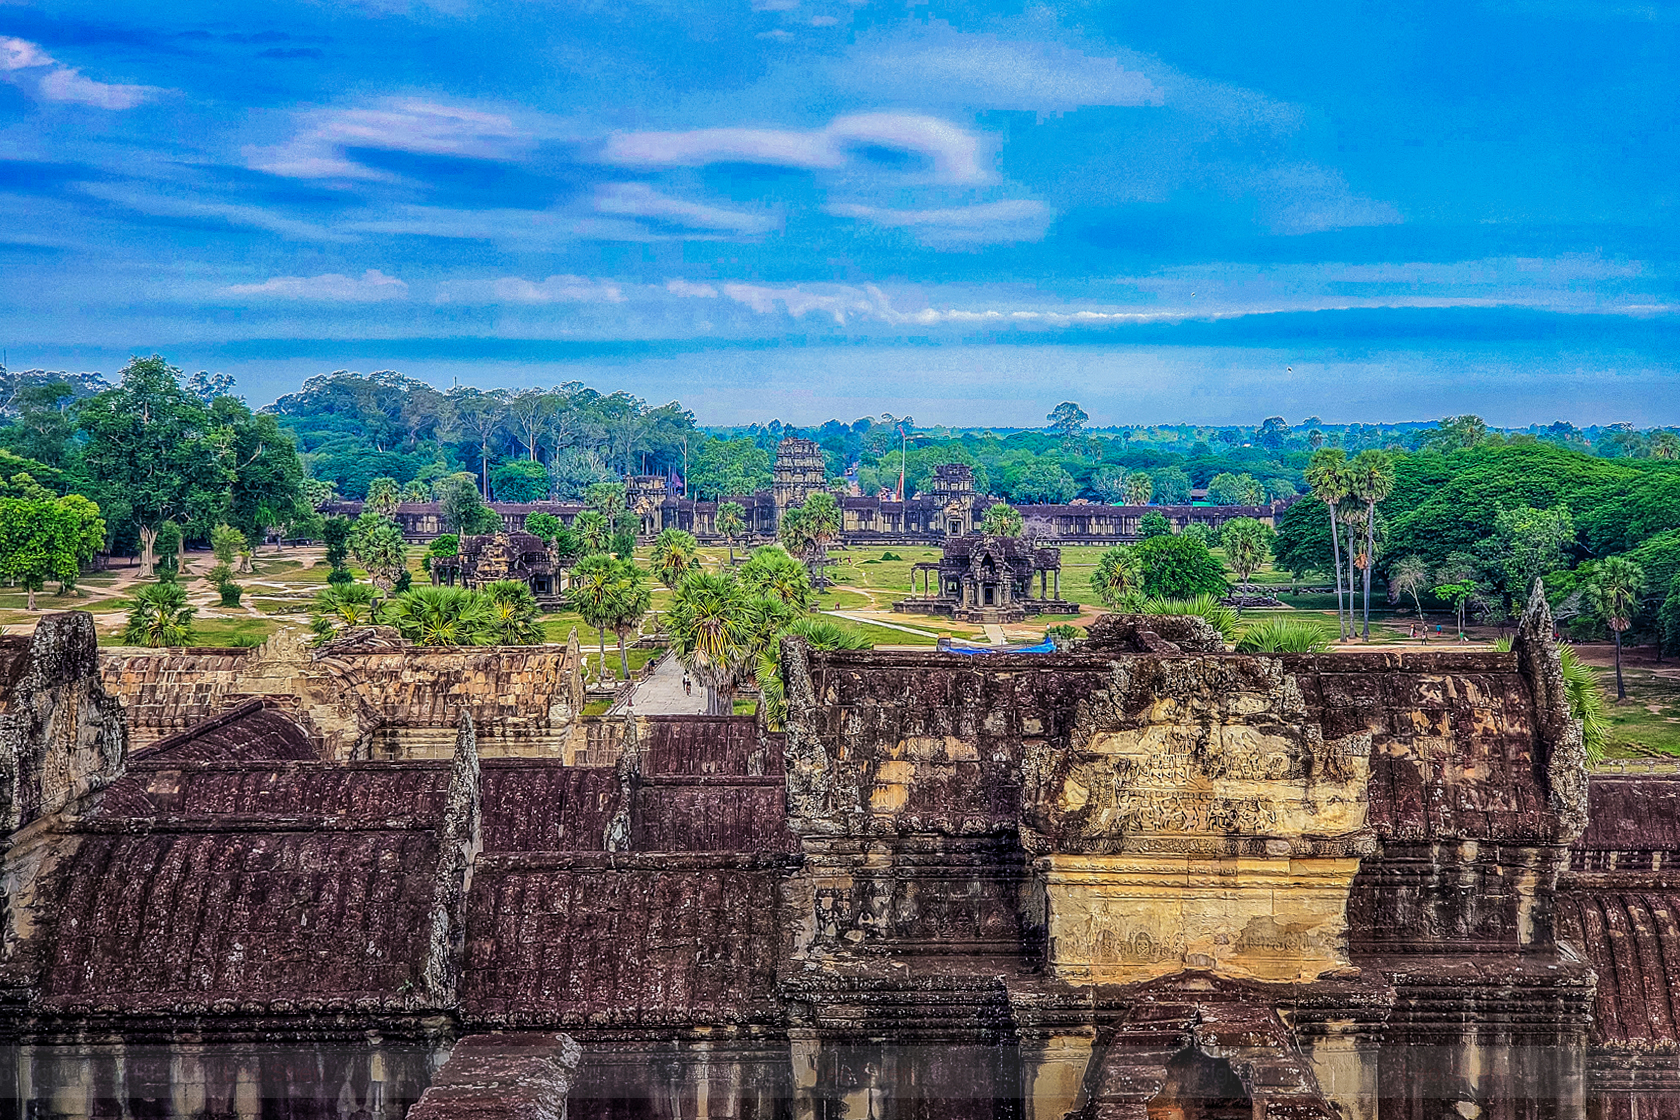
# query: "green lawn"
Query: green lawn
{"points": [[215, 632], [1648, 722]]}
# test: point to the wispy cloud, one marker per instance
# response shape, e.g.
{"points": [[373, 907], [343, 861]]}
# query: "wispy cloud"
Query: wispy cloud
{"points": [[319, 149], [37, 73], [952, 152], [981, 224], [145, 201], [638, 200], [558, 289], [938, 65], [371, 286]]}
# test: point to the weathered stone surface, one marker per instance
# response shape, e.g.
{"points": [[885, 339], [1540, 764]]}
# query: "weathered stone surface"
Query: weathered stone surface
{"points": [[62, 734], [516, 1076]]}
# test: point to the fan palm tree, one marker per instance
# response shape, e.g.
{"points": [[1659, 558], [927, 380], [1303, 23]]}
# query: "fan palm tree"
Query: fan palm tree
{"points": [[160, 616], [711, 629], [1118, 580], [594, 586], [1327, 476], [1373, 481], [771, 571], [440, 616], [1613, 592], [1139, 488], [674, 554], [513, 616], [340, 607], [594, 530], [383, 496], [730, 525], [818, 634], [628, 606]]}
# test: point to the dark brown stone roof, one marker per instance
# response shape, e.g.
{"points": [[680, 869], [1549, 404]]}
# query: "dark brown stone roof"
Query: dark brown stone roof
{"points": [[195, 917], [251, 732], [1632, 940]]}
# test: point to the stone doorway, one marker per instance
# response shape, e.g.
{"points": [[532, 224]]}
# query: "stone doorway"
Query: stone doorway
{"points": [[1201, 1088]]}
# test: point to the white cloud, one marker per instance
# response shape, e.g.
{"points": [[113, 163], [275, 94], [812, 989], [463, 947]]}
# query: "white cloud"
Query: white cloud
{"points": [[983, 223], [690, 290], [953, 153], [835, 301], [1304, 198], [372, 286], [638, 200], [401, 125], [165, 206], [27, 66], [941, 66], [558, 289]]}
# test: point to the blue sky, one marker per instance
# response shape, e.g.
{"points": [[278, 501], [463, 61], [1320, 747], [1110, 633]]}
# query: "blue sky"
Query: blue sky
{"points": [[807, 208]]}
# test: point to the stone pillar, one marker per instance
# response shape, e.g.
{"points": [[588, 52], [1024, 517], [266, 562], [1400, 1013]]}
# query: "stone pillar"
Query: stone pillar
{"points": [[1058, 583], [1053, 1073]]}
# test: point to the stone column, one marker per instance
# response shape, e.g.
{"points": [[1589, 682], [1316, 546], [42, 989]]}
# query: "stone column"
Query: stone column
{"points": [[1053, 1072]]}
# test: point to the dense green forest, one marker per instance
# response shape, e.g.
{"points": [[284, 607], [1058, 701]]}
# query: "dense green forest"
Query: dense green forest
{"points": [[1470, 507]]}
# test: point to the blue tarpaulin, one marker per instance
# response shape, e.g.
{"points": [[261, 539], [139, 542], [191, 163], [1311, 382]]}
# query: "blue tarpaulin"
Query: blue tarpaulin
{"points": [[1041, 647]]}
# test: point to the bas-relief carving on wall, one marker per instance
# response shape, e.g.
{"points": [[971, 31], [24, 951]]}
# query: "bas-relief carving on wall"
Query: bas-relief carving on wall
{"points": [[1197, 818]]}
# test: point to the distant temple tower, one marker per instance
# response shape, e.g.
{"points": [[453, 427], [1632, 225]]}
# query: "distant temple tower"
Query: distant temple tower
{"points": [[800, 472], [952, 489]]}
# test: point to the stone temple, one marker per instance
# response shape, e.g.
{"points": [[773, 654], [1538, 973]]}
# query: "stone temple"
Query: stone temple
{"points": [[1143, 878]]}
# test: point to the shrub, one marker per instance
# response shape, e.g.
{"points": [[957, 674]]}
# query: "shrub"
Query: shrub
{"points": [[1179, 567], [231, 593], [1285, 635], [340, 577], [1206, 607]]}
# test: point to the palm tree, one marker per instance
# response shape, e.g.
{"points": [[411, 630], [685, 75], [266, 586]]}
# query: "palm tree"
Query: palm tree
{"points": [[341, 607], [711, 629], [1327, 475], [440, 616], [383, 496], [1665, 445], [1247, 542], [1001, 520], [818, 634], [1407, 576], [594, 586], [1373, 481], [1139, 488], [593, 528], [1613, 591], [1118, 580], [513, 616], [730, 525], [771, 571], [628, 606], [822, 526], [160, 616], [674, 554]]}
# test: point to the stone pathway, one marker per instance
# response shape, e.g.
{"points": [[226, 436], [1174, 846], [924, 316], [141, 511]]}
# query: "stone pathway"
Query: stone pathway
{"points": [[662, 694], [994, 634], [851, 616]]}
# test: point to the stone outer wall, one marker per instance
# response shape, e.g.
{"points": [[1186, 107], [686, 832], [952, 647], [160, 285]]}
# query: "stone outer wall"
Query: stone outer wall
{"points": [[371, 696]]}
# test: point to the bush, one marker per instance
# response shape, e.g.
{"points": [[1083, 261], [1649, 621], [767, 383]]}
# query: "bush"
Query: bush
{"points": [[1154, 524], [1063, 635], [231, 594], [1285, 635], [1179, 567], [404, 580], [1205, 607], [340, 577]]}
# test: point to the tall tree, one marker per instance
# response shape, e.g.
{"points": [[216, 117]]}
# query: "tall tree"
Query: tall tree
{"points": [[1139, 487], [630, 603], [1373, 481], [730, 524], [1001, 520], [675, 554], [1118, 579], [159, 448], [1067, 421], [1247, 543], [771, 572], [47, 538], [1408, 576], [1613, 592], [377, 544], [1327, 475], [711, 628]]}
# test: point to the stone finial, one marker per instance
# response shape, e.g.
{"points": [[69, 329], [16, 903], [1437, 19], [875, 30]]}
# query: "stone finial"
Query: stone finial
{"points": [[1560, 731], [616, 837], [62, 736], [460, 837]]}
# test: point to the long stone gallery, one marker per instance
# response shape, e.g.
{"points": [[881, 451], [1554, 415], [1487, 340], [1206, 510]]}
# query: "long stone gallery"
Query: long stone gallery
{"points": [[1144, 877]]}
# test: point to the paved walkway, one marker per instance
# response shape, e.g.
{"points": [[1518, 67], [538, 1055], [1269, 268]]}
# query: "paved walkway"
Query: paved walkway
{"points": [[994, 634], [867, 621], [662, 694]]}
